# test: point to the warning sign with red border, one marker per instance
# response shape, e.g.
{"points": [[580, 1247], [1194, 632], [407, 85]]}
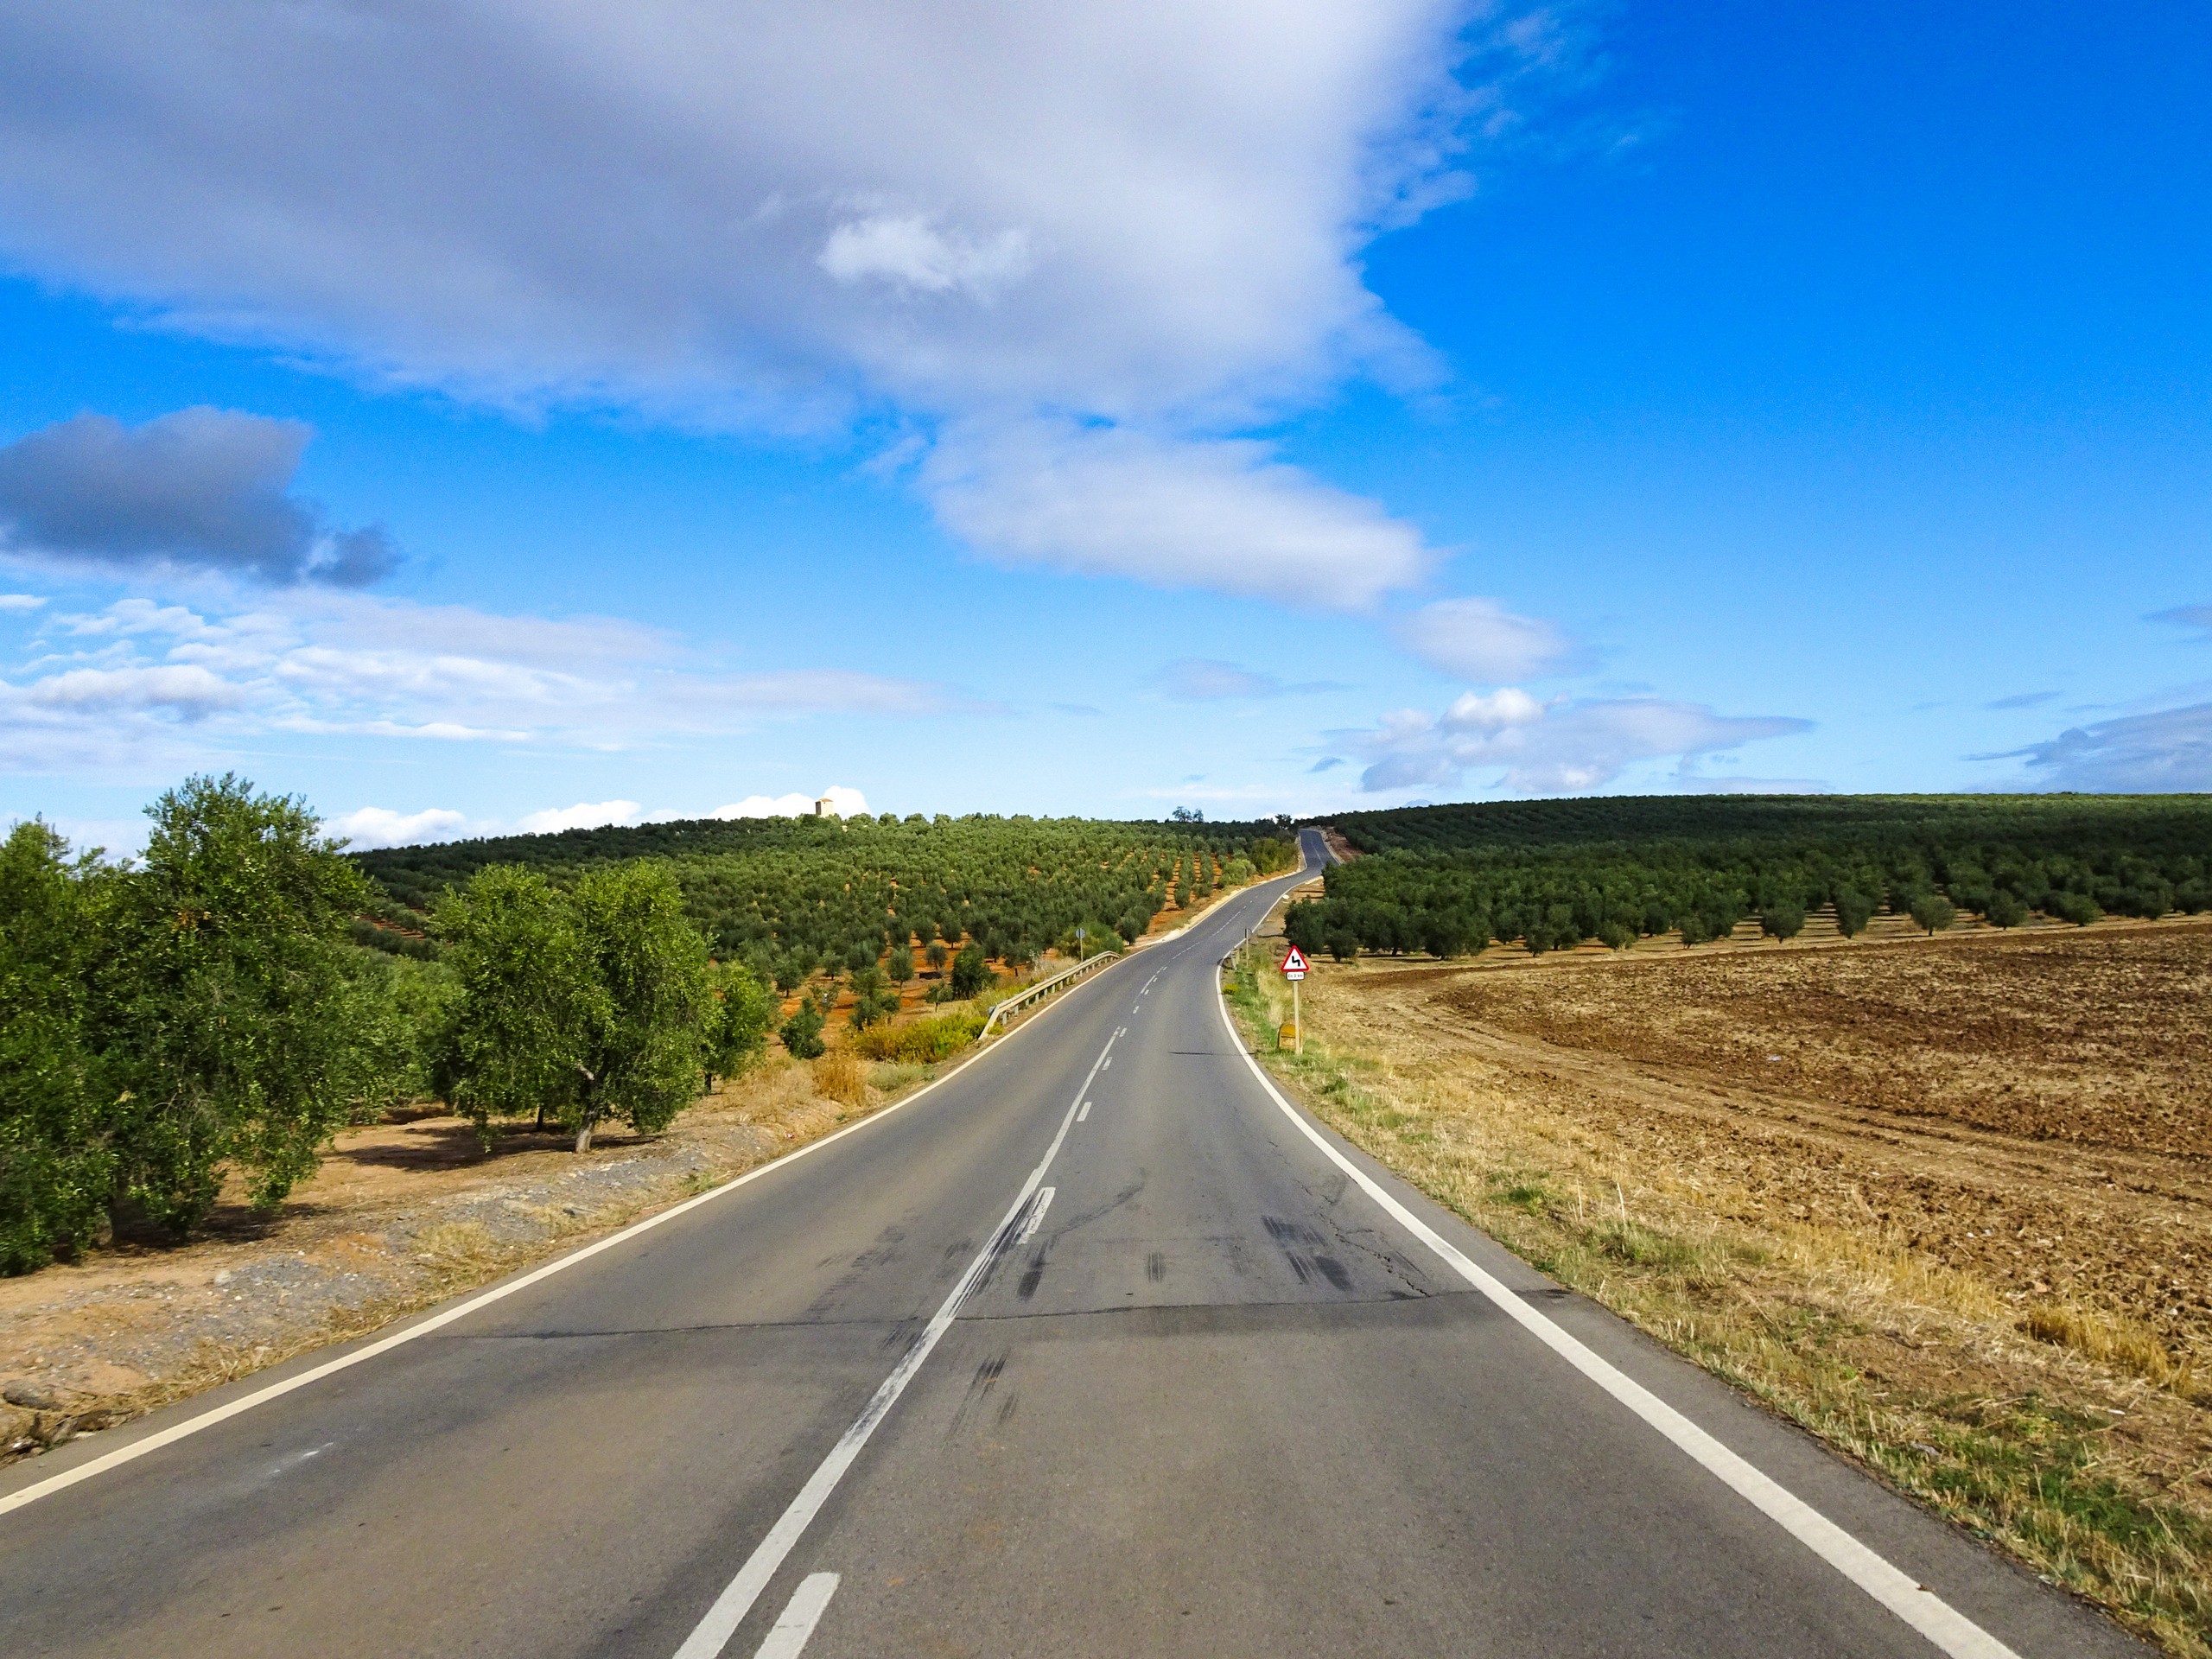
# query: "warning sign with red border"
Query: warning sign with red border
{"points": [[1293, 965]]}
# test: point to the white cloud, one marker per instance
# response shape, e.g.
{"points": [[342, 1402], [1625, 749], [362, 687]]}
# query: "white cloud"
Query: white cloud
{"points": [[20, 602], [118, 685], [1557, 748], [1151, 219], [189, 692], [842, 801], [908, 251], [380, 826], [1480, 640], [2167, 750], [1222, 514], [584, 815]]}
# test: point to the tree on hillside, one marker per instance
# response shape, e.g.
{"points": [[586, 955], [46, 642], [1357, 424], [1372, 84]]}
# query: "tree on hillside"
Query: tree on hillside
{"points": [[1853, 910], [221, 1000], [898, 966], [2005, 910], [1933, 912], [971, 973], [1782, 920]]}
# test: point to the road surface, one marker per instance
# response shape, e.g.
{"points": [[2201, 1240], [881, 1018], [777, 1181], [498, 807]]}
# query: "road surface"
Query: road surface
{"points": [[1093, 1349]]}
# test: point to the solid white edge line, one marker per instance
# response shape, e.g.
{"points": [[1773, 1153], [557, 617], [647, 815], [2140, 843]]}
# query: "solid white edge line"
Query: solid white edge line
{"points": [[800, 1615], [712, 1634], [191, 1426], [1918, 1606]]}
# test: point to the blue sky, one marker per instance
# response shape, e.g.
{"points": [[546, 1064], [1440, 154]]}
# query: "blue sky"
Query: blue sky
{"points": [[471, 424]]}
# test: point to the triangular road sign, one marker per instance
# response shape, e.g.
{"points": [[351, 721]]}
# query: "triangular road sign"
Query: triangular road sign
{"points": [[1293, 965]]}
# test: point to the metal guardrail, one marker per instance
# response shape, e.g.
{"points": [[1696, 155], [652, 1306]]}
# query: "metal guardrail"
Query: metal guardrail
{"points": [[1045, 988]]}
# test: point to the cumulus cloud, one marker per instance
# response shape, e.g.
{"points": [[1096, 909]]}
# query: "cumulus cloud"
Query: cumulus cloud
{"points": [[908, 251], [380, 826], [2152, 753], [184, 690], [1208, 679], [1147, 220], [203, 488], [1566, 746], [1176, 513], [584, 815], [123, 683], [842, 801], [1480, 640]]}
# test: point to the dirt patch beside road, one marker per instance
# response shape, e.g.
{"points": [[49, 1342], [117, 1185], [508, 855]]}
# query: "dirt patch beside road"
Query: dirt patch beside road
{"points": [[402, 1215], [1960, 1223]]}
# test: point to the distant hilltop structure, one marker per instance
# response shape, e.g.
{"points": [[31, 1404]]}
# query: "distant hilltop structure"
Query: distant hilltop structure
{"points": [[826, 808]]}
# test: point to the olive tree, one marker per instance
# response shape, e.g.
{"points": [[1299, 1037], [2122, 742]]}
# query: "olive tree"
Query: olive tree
{"points": [[57, 1167], [220, 998], [586, 1004], [737, 1024]]}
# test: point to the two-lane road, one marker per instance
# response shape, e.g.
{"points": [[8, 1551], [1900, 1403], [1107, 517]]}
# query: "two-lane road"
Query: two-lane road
{"points": [[1092, 1349]]}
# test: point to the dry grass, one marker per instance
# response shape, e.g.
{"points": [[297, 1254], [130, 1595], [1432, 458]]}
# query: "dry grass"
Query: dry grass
{"points": [[841, 1075], [1754, 1238]]}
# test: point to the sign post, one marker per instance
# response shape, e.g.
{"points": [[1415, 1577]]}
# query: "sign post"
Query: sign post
{"points": [[1293, 969]]}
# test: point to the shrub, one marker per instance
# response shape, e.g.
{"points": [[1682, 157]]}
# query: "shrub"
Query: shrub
{"points": [[925, 1041], [802, 1032]]}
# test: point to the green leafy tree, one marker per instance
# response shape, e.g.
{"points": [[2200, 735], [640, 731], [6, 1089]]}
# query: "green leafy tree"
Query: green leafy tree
{"points": [[802, 1032], [1934, 911], [57, 1168], [640, 1061], [2005, 909], [222, 1002], [1853, 910], [937, 955], [1782, 920], [898, 966], [529, 998], [971, 973], [738, 1024]]}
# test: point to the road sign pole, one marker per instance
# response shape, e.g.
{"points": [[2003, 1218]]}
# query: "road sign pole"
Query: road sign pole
{"points": [[1297, 1025]]}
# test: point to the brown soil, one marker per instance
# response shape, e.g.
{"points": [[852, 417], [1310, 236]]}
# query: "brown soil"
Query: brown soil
{"points": [[2037, 1109], [1946, 1202]]}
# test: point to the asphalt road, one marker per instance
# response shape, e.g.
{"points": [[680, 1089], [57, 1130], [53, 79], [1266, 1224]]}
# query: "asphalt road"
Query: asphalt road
{"points": [[1090, 1350]]}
